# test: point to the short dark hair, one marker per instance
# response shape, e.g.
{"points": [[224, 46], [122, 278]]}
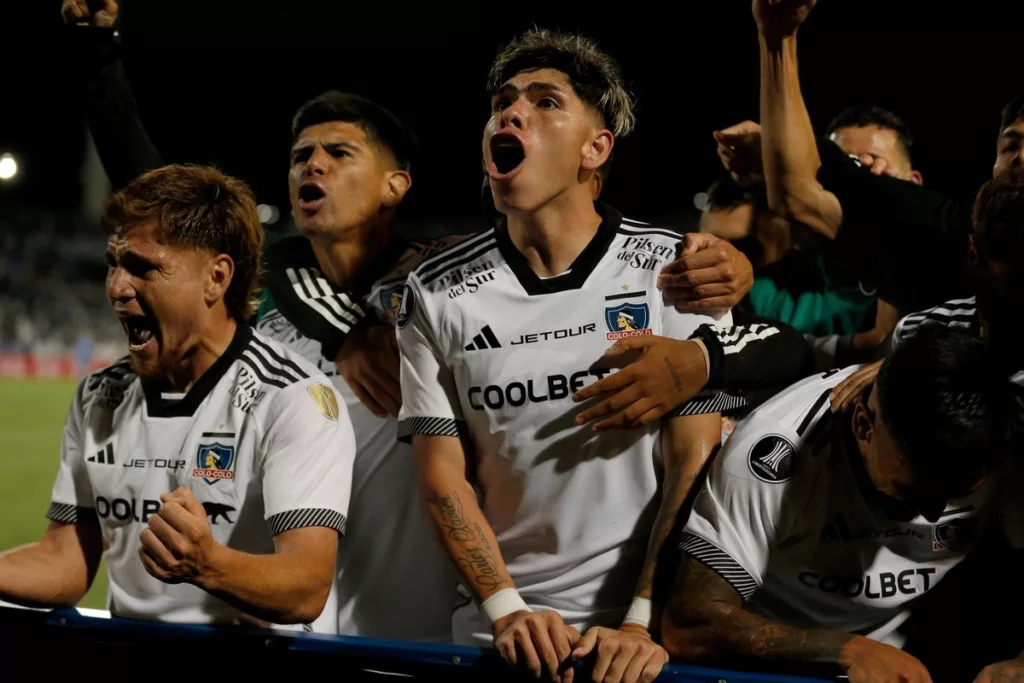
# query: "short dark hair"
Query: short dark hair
{"points": [[863, 115], [999, 218], [1012, 112], [197, 207], [726, 193], [383, 127], [948, 405], [595, 76]]}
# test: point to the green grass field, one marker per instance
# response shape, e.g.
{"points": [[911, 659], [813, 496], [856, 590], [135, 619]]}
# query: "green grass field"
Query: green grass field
{"points": [[31, 421]]}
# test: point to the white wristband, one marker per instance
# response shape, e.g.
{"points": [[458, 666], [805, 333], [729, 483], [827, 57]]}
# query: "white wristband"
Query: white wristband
{"points": [[639, 613], [503, 603]]}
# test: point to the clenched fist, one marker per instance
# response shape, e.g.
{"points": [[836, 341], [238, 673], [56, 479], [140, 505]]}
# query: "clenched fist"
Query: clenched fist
{"points": [[101, 13], [178, 543], [777, 19]]}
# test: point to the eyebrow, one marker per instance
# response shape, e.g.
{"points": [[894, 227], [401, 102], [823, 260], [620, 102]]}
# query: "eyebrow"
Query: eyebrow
{"points": [[327, 144], [1013, 133], [532, 87], [130, 258]]}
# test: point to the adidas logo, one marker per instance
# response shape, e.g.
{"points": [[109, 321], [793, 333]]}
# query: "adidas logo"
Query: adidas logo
{"points": [[104, 457], [484, 340]]}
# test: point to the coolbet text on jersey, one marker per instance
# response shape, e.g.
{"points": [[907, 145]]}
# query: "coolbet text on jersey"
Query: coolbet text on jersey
{"points": [[788, 517], [492, 352], [260, 439]]}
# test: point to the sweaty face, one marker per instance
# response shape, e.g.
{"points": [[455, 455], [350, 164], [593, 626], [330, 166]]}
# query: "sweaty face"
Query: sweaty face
{"points": [[1008, 150], [879, 143], [535, 139], [159, 294], [336, 179]]}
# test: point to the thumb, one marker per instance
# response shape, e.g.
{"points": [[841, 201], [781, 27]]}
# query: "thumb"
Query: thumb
{"points": [[737, 132], [586, 644]]}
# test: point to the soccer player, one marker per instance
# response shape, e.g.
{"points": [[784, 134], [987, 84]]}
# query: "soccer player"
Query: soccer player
{"points": [[333, 297], [213, 464], [814, 535], [569, 528]]}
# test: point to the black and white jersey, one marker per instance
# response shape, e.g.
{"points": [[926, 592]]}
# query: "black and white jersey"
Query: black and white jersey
{"points": [[494, 352], [260, 439], [787, 517], [393, 579]]}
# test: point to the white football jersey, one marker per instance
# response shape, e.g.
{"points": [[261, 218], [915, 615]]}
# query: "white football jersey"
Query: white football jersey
{"points": [[494, 352], [788, 519], [393, 578], [260, 439]]}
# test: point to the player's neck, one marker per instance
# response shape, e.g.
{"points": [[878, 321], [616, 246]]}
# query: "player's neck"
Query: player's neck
{"points": [[212, 344], [345, 259], [552, 237]]}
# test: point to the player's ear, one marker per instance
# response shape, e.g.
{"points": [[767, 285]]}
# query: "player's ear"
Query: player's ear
{"points": [[221, 270], [597, 150], [863, 423], [396, 185]]}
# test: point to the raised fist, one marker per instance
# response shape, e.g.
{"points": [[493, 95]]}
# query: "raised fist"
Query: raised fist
{"points": [[777, 19]]}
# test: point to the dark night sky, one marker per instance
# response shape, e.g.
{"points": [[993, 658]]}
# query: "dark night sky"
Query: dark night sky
{"points": [[217, 81]]}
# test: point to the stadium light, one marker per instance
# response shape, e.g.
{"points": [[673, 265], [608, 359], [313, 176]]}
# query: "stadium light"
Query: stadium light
{"points": [[8, 167], [700, 201], [267, 213]]}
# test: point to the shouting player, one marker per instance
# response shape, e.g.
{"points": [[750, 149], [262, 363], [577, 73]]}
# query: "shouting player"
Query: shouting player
{"points": [[811, 528], [213, 464], [569, 528]]}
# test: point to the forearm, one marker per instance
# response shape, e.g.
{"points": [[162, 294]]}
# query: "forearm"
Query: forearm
{"points": [[788, 145], [278, 588], [36, 575], [718, 631], [464, 532]]}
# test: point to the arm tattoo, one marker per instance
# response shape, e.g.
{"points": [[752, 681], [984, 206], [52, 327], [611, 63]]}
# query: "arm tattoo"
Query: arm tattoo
{"points": [[476, 558], [454, 524], [481, 563], [675, 375], [708, 616]]}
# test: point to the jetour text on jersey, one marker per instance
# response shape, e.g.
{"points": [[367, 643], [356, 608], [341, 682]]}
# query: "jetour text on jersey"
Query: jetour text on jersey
{"points": [[515, 394]]}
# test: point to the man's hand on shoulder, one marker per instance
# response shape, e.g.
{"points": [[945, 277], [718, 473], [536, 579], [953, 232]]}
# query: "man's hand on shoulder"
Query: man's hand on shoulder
{"points": [[709, 276], [101, 13], [868, 661], [368, 360], [624, 655], [177, 544], [538, 642]]}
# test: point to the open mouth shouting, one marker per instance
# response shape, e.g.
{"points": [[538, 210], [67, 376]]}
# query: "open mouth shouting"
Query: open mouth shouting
{"points": [[311, 196], [507, 156], [140, 332]]}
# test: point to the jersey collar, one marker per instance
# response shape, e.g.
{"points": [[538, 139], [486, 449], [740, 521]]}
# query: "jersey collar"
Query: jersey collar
{"points": [[580, 269], [157, 406]]}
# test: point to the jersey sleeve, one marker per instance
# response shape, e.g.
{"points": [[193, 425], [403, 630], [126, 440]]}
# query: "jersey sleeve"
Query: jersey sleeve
{"points": [[71, 500], [308, 451], [430, 399], [737, 516], [747, 364], [309, 300]]}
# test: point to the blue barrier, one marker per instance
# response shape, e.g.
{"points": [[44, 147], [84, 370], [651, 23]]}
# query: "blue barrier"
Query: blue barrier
{"points": [[81, 636]]}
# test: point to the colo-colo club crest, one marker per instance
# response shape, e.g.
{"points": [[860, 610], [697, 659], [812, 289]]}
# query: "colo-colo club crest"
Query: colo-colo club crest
{"points": [[627, 320]]}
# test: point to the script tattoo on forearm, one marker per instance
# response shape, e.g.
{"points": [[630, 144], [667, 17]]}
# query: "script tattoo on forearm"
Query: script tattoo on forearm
{"points": [[454, 524], [481, 562], [675, 375], [477, 558]]}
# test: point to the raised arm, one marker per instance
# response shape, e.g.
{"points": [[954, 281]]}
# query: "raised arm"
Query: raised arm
{"points": [[125, 148], [788, 147]]}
